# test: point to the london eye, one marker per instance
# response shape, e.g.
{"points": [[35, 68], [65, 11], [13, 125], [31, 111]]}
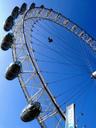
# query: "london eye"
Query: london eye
{"points": [[54, 60]]}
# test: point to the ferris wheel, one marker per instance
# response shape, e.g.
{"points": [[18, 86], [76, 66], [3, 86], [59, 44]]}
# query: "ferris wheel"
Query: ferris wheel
{"points": [[45, 62]]}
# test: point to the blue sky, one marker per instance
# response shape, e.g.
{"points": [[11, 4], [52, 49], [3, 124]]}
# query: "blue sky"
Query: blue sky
{"points": [[12, 100]]}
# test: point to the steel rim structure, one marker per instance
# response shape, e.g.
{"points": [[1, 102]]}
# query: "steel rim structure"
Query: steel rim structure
{"points": [[24, 53]]}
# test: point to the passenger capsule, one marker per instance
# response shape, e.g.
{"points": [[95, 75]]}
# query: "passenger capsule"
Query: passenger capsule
{"points": [[51, 9], [32, 6], [9, 23], [31, 112], [7, 41], [13, 70], [15, 12], [23, 8], [42, 6]]}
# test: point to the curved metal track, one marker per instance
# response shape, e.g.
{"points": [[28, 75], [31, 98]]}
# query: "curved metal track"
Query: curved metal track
{"points": [[31, 80]]}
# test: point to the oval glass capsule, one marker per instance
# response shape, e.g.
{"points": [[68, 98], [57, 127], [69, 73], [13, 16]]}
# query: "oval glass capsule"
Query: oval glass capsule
{"points": [[9, 23], [31, 112], [7, 41], [23, 8], [15, 12], [13, 70], [32, 6]]}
